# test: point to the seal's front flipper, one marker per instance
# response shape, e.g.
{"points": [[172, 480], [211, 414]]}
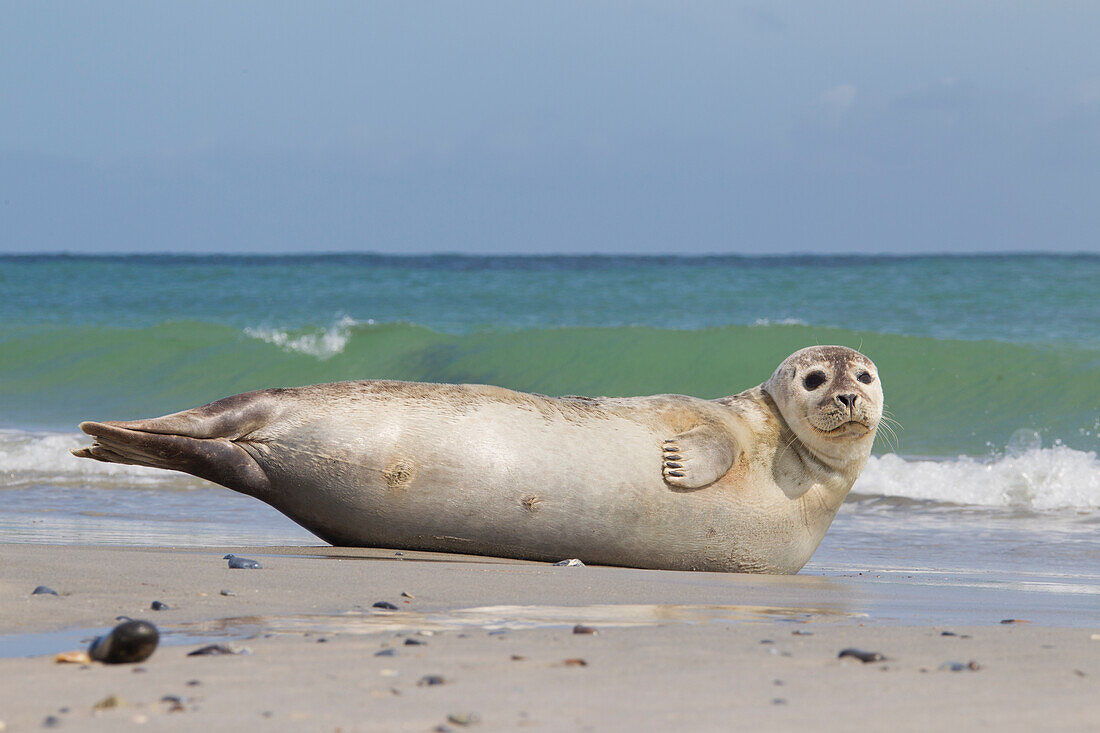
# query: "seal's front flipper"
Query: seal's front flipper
{"points": [[207, 442], [698, 457]]}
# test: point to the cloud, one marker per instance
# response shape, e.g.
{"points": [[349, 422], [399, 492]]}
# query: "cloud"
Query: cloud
{"points": [[1088, 92], [839, 99], [763, 18], [947, 94]]}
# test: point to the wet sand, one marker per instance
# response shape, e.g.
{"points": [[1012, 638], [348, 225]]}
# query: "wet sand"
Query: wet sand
{"points": [[683, 651]]}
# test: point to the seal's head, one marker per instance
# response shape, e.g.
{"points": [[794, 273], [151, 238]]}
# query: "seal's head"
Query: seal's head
{"points": [[832, 399]]}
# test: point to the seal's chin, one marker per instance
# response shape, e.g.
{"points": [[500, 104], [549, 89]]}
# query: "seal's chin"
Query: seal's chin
{"points": [[846, 430]]}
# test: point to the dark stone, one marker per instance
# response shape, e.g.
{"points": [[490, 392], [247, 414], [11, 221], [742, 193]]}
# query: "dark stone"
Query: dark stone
{"points": [[242, 563], [385, 605], [160, 606], [861, 655], [430, 680], [129, 642], [43, 590], [214, 650], [582, 629]]}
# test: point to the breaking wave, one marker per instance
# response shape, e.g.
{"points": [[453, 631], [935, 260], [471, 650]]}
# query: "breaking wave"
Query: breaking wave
{"points": [[1039, 479], [322, 343]]}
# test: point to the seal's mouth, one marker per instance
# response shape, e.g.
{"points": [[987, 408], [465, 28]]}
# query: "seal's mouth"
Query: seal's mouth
{"points": [[847, 429]]}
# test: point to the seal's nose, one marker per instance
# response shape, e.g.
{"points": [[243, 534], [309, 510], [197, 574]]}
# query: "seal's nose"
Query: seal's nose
{"points": [[848, 400]]}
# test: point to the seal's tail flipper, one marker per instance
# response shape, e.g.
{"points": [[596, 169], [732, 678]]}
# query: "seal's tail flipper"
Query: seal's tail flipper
{"points": [[204, 442]]}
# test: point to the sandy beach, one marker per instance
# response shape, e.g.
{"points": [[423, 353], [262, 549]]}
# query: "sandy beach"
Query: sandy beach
{"points": [[497, 648]]}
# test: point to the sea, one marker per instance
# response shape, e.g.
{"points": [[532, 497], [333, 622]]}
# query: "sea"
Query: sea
{"points": [[990, 365]]}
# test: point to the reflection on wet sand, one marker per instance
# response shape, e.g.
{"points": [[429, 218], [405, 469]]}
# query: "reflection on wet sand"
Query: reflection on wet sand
{"points": [[512, 618]]}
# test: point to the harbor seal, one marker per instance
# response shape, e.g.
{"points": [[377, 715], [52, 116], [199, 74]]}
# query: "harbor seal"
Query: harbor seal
{"points": [[746, 483]]}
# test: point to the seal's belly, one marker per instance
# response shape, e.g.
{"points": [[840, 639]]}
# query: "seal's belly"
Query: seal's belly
{"points": [[497, 479]]}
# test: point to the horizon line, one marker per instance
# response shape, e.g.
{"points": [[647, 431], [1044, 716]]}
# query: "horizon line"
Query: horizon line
{"points": [[536, 255]]}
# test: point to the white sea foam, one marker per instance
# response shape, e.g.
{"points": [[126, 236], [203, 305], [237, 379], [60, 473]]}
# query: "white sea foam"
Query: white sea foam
{"points": [[322, 343], [39, 458], [1038, 479], [780, 322]]}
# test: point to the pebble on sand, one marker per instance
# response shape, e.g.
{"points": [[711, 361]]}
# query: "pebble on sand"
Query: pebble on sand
{"points": [[160, 606], [242, 563], [970, 666], [43, 590], [464, 719], [861, 655], [213, 650], [582, 629], [429, 680], [384, 605], [129, 642], [111, 701]]}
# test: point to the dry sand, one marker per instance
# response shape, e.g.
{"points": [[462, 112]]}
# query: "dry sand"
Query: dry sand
{"points": [[673, 651]]}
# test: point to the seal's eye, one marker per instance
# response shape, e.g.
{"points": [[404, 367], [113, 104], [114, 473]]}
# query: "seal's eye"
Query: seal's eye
{"points": [[865, 377], [814, 380]]}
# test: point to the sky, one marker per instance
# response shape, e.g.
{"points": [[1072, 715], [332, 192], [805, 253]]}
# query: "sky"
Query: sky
{"points": [[555, 127]]}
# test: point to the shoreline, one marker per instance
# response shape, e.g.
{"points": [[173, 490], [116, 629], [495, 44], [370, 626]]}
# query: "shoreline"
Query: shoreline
{"points": [[698, 651]]}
